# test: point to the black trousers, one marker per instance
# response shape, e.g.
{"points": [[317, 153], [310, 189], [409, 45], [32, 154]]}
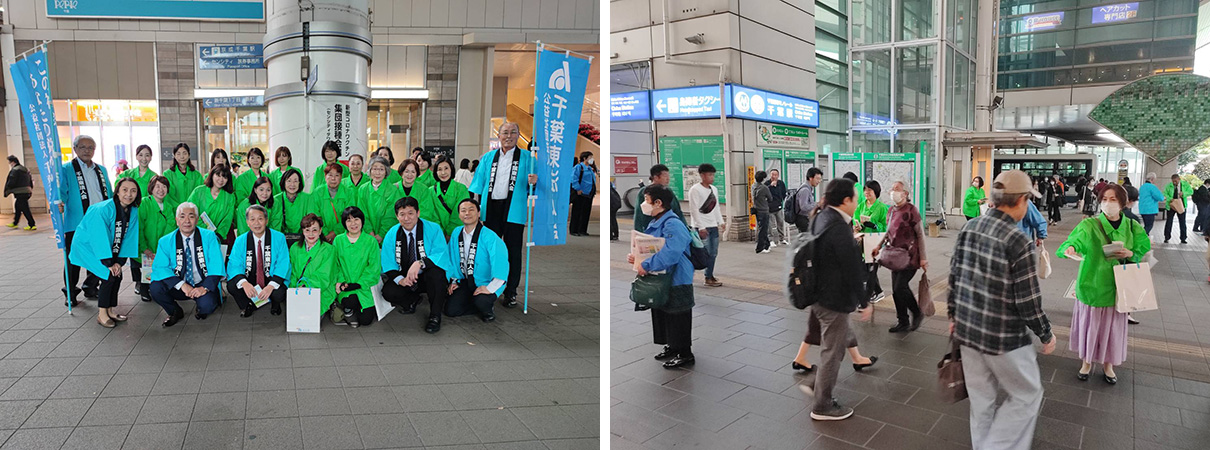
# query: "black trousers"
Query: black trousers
{"points": [[905, 301], [21, 207], [513, 235], [673, 329], [1055, 214], [1174, 217], [432, 282], [73, 271], [364, 316], [801, 222], [613, 221], [872, 284], [276, 298], [581, 212], [167, 297], [464, 301], [762, 232], [1203, 215], [107, 294]]}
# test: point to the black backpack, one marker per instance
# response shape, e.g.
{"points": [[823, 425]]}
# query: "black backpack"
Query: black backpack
{"points": [[790, 206], [803, 282]]}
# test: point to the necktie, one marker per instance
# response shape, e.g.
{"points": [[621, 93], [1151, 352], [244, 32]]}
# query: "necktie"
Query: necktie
{"points": [[260, 265], [412, 245], [188, 260]]}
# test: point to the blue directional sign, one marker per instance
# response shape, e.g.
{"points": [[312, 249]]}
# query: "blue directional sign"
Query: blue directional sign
{"points": [[241, 56], [233, 102], [630, 106], [698, 102], [757, 104]]}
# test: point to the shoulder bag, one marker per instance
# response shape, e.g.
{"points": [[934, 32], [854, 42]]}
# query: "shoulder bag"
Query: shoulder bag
{"points": [[651, 290], [896, 258]]}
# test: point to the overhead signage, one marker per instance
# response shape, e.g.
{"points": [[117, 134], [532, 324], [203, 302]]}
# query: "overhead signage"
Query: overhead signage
{"points": [[757, 104], [871, 120], [630, 106], [234, 102], [242, 56], [625, 165], [1115, 13], [698, 102], [251, 10], [782, 135], [1039, 22]]}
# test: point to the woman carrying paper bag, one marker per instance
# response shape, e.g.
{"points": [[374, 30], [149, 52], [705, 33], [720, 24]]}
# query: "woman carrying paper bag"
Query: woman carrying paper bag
{"points": [[1098, 330], [313, 263]]}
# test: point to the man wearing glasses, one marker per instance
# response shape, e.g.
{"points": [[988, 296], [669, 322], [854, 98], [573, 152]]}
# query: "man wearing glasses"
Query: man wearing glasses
{"points": [[504, 202]]}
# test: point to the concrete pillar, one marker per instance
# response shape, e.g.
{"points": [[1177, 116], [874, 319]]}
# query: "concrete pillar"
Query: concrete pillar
{"points": [[474, 112], [329, 42]]}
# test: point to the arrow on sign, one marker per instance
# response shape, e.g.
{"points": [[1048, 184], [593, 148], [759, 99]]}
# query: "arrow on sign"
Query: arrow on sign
{"points": [[660, 105]]}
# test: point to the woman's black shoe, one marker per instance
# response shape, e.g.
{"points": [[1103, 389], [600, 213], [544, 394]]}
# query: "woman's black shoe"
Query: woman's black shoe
{"points": [[247, 312], [1111, 380], [679, 360], [275, 310], [1084, 377], [858, 367], [665, 354], [796, 366], [900, 328]]}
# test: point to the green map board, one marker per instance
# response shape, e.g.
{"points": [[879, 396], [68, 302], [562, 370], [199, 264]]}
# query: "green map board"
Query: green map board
{"points": [[682, 155]]}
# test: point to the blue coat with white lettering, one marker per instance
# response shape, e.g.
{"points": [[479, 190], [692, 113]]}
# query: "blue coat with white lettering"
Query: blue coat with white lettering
{"points": [[69, 194], [94, 238], [279, 258], [481, 184], [436, 249], [164, 266], [491, 258]]}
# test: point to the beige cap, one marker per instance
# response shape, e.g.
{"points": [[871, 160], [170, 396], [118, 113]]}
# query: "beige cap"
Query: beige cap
{"points": [[1017, 182]]}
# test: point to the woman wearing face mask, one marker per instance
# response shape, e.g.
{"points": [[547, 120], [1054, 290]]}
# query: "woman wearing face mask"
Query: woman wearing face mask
{"points": [[244, 182], [284, 160], [331, 154], [673, 322], [583, 189], [216, 203], [295, 204], [1098, 330], [110, 235], [156, 219], [183, 177], [905, 230], [410, 186], [262, 194], [377, 198], [973, 199], [447, 195], [313, 261]]}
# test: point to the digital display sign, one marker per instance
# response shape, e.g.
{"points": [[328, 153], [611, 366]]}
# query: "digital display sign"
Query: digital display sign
{"points": [[1039, 22], [630, 106], [1115, 13], [699, 102], [757, 104]]}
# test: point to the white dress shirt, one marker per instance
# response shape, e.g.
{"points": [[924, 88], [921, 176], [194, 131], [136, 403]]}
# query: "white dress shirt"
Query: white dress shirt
{"points": [[92, 183], [504, 169], [258, 242], [188, 240], [467, 235]]}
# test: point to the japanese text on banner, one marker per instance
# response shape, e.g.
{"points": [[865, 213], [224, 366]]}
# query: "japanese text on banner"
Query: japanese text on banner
{"points": [[559, 95]]}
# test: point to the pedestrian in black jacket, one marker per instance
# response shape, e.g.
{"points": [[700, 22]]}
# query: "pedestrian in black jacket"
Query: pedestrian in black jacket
{"points": [[615, 203], [841, 290], [777, 222], [20, 184], [1201, 198]]}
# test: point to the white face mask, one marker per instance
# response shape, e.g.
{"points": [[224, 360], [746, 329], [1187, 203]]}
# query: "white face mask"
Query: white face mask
{"points": [[1111, 209], [591, 161], [647, 208], [897, 196]]}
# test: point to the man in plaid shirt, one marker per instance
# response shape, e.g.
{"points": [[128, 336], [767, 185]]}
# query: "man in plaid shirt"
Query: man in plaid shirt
{"points": [[994, 305]]}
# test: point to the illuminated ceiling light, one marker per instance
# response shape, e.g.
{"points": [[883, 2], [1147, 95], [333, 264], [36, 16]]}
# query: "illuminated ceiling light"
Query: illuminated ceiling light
{"points": [[399, 94]]}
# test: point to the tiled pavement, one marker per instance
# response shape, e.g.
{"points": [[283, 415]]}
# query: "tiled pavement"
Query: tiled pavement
{"points": [[523, 382], [743, 394]]}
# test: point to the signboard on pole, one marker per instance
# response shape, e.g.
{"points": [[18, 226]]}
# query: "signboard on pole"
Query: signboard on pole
{"points": [[31, 78], [242, 56], [562, 80], [683, 155]]}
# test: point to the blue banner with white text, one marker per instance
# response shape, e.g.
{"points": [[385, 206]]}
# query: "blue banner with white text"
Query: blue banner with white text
{"points": [[559, 90], [31, 78]]}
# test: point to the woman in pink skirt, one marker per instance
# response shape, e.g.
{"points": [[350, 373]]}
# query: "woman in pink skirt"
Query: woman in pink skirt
{"points": [[1098, 331]]}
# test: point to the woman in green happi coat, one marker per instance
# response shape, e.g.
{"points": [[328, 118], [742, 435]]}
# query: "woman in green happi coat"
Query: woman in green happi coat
{"points": [[974, 198], [425, 162], [244, 182], [409, 186], [294, 205], [358, 267], [157, 218], [331, 154], [330, 197], [385, 152], [356, 177], [447, 195], [142, 174], [216, 203], [262, 194], [285, 162], [313, 262], [377, 198], [183, 177]]}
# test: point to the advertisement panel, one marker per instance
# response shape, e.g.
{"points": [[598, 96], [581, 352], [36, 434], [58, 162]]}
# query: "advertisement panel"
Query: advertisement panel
{"points": [[1115, 13], [1039, 22], [768, 134]]}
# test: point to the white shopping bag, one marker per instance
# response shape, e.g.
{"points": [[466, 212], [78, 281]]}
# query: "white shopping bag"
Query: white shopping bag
{"points": [[1044, 269], [984, 208], [302, 314], [380, 304], [1071, 291], [1136, 291], [869, 243]]}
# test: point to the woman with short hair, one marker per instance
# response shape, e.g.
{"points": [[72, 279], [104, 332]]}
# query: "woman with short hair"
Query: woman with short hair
{"points": [[358, 268], [313, 262], [330, 198], [377, 198], [295, 204], [107, 236], [410, 186], [385, 153], [219, 158], [356, 177], [424, 162], [672, 323], [331, 155], [243, 182], [284, 161], [261, 194], [157, 218]]}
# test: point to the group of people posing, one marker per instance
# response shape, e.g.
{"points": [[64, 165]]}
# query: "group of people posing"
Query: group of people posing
{"points": [[415, 229]]}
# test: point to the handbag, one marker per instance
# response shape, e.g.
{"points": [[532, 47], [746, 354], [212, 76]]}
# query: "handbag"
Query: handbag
{"points": [[1044, 269], [1178, 205], [651, 290], [896, 258], [1135, 288], [924, 297], [950, 379]]}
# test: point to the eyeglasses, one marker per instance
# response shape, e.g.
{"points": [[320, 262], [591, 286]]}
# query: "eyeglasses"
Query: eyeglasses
{"points": [[510, 133]]}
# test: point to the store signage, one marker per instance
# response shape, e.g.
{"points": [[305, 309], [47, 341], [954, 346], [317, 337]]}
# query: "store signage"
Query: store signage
{"points": [[243, 56], [630, 106], [1115, 13], [757, 104], [782, 135], [625, 165], [233, 102], [1039, 22], [699, 102], [251, 10]]}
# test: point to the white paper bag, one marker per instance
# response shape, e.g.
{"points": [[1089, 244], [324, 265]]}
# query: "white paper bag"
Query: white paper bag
{"points": [[302, 314], [984, 208], [1136, 291], [1071, 291], [380, 304], [1044, 269], [146, 262], [869, 243]]}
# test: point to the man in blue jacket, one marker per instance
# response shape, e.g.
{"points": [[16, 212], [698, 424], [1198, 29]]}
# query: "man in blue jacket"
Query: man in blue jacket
{"points": [[583, 188], [83, 183], [1033, 224]]}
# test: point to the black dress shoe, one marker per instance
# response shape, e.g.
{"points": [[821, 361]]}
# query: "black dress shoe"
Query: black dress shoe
{"points": [[859, 367], [679, 360], [1111, 380], [1183, 241], [509, 302], [74, 303], [489, 317], [899, 328], [173, 319], [91, 293], [200, 316], [916, 323], [433, 326], [248, 312], [1081, 376], [410, 309], [796, 366], [275, 310], [665, 354]]}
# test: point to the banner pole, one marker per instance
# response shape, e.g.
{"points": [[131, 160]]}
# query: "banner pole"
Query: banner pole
{"points": [[529, 229], [66, 280]]}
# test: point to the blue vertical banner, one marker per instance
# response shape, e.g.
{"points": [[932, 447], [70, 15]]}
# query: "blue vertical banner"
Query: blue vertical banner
{"points": [[31, 78], [559, 89]]}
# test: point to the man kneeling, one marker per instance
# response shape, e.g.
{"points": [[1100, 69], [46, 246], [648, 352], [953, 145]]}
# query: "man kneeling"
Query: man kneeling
{"points": [[258, 274], [415, 261], [480, 266], [188, 265]]}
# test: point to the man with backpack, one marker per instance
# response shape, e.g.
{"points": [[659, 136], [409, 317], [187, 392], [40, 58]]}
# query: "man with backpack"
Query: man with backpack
{"points": [[801, 202], [707, 217]]}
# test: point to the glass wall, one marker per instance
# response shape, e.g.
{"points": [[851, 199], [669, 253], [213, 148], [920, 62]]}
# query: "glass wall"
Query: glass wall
{"points": [[871, 21], [118, 126], [915, 19], [960, 98], [914, 90], [871, 85], [832, 75], [235, 130]]}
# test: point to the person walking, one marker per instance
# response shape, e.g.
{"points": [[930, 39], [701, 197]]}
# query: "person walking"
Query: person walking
{"points": [[995, 304], [805, 199], [1177, 189], [21, 186], [1088, 201], [707, 217], [760, 207], [615, 204], [840, 291], [1150, 199], [1201, 198], [974, 198], [1098, 330], [872, 218], [777, 220], [1055, 200], [905, 231], [671, 323], [1032, 223]]}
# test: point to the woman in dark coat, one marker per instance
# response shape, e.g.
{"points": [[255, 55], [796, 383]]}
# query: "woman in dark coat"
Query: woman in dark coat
{"points": [[21, 185]]}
